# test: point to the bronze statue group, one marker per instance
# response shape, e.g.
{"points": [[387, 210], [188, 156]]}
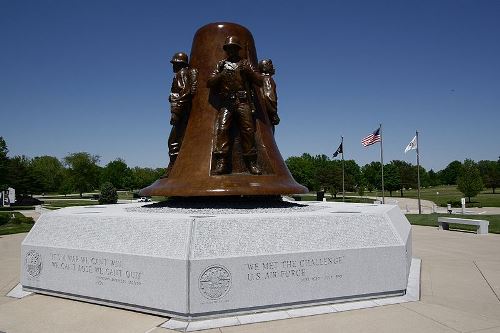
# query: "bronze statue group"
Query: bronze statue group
{"points": [[234, 81]]}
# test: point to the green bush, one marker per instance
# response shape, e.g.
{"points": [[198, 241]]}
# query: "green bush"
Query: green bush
{"points": [[108, 194], [8, 209], [21, 220], [4, 219], [453, 203]]}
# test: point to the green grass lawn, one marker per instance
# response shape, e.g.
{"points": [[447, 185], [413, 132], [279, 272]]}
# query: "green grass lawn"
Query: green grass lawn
{"points": [[19, 224], [438, 194], [68, 203], [431, 220], [442, 194], [125, 195], [352, 199]]}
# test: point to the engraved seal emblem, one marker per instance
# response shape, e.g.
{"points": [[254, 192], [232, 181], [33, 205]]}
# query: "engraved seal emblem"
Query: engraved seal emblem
{"points": [[33, 263], [215, 282]]}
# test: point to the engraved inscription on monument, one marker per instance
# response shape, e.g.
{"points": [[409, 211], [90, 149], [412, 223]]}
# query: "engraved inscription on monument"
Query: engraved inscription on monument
{"points": [[105, 270], [214, 282], [33, 262], [304, 270]]}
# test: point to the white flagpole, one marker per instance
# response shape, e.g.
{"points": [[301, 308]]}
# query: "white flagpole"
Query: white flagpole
{"points": [[382, 162], [418, 178], [343, 187]]}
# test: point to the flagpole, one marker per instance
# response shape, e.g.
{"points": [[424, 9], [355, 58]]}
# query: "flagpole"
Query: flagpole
{"points": [[382, 162], [343, 187], [418, 177]]}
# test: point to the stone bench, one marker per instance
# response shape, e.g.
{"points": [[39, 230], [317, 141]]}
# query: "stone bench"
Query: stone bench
{"points": [[482, 225]]}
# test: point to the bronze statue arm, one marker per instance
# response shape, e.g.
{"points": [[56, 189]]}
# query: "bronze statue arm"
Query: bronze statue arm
{"points": [[252, 74], [185, 85], [216, 75]]}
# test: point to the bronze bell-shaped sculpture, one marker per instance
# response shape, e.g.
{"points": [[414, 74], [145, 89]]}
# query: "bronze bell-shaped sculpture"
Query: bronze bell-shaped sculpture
{"points": [[228, 145]]}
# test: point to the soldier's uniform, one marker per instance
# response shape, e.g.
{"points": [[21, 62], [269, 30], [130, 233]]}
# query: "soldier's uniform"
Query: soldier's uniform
{"points": [[184, 85], [234, 86], [268, 90]]}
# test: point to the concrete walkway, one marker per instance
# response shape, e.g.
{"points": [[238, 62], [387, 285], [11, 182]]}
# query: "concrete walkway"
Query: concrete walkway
{"points": [[460, 288]]}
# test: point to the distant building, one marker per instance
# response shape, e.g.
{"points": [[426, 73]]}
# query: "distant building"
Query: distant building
{"points": [[7, 197]]}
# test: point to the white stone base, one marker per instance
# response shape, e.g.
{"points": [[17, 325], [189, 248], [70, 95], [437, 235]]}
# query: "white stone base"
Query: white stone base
{"points": [[194, 264], [412, 295]]}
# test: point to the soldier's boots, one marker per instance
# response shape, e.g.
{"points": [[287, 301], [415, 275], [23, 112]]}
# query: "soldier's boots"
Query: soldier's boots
{"points": [[221, 167], [251, 163]]}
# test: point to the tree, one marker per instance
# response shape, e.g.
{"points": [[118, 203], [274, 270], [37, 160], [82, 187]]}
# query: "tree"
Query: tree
{"points": [[361, 186], [372, 173], [302, 169], [407, 175], [392, 180], [4, 164], [450, 174], [425, 179], [434, 179], [469, 181], [142, 177], [66, 186], [329, 177], [352, 174], [108, 194], [83, 171], [47, 172], [117, 173], [19, 175], [323, 170], [490, 173]]}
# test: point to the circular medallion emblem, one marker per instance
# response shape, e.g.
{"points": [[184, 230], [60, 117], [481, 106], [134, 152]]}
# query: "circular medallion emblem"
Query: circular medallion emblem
{"points": [[33, 263], [215, 282]]}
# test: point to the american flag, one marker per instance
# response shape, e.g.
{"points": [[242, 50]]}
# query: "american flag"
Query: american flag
{"points": [[372, 138]]}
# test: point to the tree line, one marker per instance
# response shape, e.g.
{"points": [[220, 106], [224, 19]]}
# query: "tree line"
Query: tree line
{"points": [[80, 172], [320, 173], [75, 173]]}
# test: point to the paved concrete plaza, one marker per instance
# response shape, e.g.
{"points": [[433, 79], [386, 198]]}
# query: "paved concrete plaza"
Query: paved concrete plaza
{"points": [[460, 288]]}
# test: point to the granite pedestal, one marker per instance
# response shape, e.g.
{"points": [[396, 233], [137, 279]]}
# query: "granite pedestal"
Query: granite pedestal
{"points": [[203, 263]]}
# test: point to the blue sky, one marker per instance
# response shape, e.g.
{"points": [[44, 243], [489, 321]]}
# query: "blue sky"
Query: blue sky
{"points": [[95, 75]]}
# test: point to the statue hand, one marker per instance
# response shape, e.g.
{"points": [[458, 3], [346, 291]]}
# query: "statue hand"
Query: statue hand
{"points": [[245, 68], [275, 120]]}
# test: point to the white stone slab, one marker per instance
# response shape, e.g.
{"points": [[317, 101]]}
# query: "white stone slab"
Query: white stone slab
{"points": [[391, 300], [413, 287], [212, 323], [414, 279], [18, 292], [213, 263], [175, 324], [311, 311], [263, 317], [354, 305]]}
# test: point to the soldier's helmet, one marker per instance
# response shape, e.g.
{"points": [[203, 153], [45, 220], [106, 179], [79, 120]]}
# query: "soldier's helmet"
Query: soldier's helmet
{"points": [[266, 66], [180, 57], [232, 40]]}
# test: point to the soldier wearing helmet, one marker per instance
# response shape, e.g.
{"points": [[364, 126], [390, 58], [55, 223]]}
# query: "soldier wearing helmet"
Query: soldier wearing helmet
{"points": [[183, 89], [268, 90], [232, 81]]}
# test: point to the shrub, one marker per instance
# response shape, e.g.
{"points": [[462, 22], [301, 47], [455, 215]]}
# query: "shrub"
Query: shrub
{"points": [[108, 194], [4, 219], [454, 203], [22, 219]]}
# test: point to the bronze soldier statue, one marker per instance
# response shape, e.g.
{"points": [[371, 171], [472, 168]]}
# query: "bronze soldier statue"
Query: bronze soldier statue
{"points": [[184, 85], [232, 80], [268, 90]]}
